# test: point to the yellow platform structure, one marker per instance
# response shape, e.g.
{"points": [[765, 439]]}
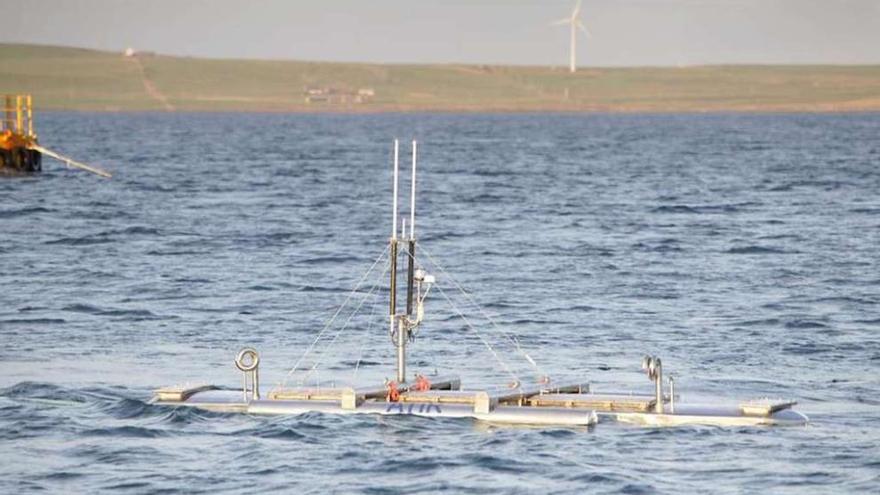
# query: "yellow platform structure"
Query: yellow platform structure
{"points": [[20, 151], [17, 137]]}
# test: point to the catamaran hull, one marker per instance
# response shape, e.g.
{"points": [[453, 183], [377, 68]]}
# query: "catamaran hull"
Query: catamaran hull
{"points": [[706, 416], [232, 402], [229, 401]]}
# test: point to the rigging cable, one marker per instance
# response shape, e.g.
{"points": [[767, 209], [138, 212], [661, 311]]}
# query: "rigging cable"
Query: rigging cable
{"points": [[333, 318], [480, 336], [366, 340], [327, 347], [513, 340]]}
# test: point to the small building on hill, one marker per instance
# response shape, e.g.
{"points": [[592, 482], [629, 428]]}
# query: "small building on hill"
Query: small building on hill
{"points": [[336, 96]]}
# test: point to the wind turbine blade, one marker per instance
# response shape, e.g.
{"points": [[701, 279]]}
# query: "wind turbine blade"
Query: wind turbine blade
{"points": [[560, 22], [577, 10], [583, 28]]}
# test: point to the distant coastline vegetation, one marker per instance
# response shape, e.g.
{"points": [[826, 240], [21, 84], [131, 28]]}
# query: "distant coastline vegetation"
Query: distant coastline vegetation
{"points": [[63, 78]]}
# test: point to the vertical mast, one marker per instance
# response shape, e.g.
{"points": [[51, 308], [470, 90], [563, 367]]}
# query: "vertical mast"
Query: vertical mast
{"points": [[412, 234], [401, 341], [401, 329]]}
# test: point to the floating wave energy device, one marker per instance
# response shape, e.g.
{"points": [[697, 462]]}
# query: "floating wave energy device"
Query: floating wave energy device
{"points": [[542, 401]]}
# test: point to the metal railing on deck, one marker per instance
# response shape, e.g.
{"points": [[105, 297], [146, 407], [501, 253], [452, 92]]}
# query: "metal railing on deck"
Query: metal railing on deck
{"points": [[18, 115]]}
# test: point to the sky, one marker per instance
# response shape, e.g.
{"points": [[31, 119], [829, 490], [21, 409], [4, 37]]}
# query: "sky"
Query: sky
{"points": [[624, 32]]}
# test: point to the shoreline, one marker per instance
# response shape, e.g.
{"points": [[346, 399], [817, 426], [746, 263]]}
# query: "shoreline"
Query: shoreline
{"points": [[446, 111], [75, 79]]}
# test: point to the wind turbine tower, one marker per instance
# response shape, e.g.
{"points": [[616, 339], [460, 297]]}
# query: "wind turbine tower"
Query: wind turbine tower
{"points": [[574, 24]]}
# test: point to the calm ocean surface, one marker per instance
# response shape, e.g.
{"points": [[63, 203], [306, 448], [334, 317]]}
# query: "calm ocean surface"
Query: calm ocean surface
{"points": [[741, 249]]}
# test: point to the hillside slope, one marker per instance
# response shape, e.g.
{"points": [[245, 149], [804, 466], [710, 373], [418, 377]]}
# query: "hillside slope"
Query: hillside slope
{"points": [[63, 78]]}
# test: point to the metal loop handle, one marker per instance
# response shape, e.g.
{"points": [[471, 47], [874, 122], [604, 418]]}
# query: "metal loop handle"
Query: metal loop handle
{"points": [[248, 359]]}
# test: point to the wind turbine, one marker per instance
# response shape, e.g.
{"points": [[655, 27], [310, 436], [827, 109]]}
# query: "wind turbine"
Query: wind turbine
{"points": [[574, 24]]}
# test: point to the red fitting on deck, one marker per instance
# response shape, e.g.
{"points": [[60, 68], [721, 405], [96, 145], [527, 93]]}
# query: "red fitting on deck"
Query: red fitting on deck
{"points": [[393, 394], [422, 384]]}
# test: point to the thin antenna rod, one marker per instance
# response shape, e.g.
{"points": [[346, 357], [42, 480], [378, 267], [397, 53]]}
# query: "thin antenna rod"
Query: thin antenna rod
{"points": [[412, 235], [394, 207], [400, 342], [412, 199]]}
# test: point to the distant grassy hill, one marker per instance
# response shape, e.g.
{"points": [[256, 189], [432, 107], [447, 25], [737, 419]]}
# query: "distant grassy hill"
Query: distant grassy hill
{"points": [[77, 79]]}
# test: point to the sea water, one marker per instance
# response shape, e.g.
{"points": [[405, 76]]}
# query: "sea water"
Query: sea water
{"points": [[741, 249]]}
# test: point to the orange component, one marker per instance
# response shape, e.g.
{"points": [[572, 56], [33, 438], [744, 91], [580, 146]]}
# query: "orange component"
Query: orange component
{"points": [[10, 140], [422, 384], [393, 394]]}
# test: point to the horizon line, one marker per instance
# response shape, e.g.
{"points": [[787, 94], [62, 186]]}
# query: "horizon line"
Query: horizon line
{"points": [[428, 64]]}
